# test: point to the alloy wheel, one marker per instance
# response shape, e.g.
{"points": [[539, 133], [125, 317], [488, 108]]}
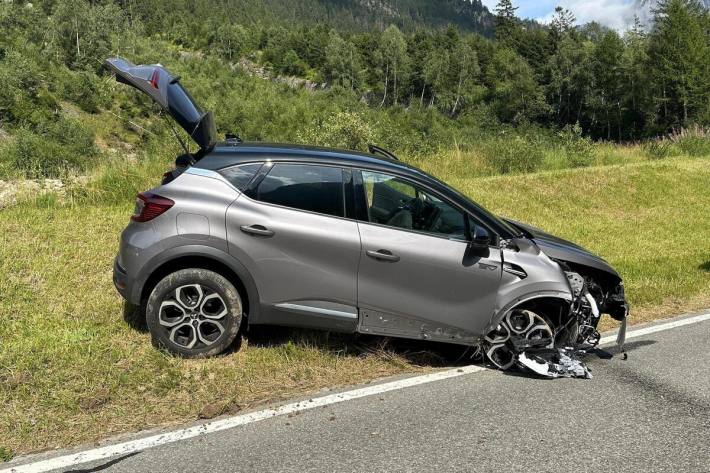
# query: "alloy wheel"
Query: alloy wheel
{"points": [[193, 315]]}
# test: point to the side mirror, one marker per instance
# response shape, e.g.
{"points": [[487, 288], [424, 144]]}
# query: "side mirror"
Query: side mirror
{"points": [[481, 238]]}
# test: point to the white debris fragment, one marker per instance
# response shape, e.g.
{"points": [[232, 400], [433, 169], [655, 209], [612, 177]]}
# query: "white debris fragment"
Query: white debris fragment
{"points": [[554, 363]]}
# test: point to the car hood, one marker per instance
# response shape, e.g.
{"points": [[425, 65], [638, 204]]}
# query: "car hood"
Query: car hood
{"points": [[165, 89], [560, 249]]}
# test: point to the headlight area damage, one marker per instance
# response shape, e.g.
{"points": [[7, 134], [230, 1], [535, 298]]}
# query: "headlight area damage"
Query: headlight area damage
{"points": [[547, 338]]}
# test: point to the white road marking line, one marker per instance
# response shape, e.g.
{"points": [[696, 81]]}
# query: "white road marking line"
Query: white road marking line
{"points": [[132, 446], [104, 453], [656, 328]]}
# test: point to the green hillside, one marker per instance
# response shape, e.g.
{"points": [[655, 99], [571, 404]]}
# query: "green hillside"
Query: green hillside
{"points": [[353, 15]]}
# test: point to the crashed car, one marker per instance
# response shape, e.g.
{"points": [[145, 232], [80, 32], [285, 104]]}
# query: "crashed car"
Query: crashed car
{"points": [[282, 234]]}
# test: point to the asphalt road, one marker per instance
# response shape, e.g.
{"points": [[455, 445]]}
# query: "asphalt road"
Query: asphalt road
{"points": [[648, 413]]}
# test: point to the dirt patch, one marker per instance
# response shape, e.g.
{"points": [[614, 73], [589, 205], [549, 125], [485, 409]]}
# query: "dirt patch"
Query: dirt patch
{"points": [[13, 191]]}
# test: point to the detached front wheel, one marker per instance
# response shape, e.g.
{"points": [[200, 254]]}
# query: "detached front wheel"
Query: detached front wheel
{"points": [[194, 313]]}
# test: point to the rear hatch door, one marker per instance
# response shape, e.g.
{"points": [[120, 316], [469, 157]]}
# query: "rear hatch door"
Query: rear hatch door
{"points": [[165, 89]]}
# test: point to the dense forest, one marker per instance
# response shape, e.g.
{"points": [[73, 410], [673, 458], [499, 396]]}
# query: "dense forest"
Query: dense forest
{"points": [[417, 73]]}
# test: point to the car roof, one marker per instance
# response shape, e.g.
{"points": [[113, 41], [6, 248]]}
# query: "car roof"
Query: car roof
{"points": [[229, 153]]}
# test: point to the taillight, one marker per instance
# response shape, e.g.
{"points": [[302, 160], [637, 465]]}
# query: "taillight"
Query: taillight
{"points": [[149, 206]]}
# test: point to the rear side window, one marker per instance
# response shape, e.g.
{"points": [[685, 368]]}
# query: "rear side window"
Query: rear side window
{"points": [[305, 187], [239, 176]]}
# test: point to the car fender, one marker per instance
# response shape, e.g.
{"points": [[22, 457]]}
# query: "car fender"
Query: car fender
{"points": [[208, 252], [528, 274]]}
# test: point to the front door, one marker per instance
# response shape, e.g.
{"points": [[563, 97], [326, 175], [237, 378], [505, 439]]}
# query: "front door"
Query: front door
{"points": [[418, 275], [291, 234]]}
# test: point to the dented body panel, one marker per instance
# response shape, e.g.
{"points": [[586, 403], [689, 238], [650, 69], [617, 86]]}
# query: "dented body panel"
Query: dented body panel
{"points": [[543, 279]]}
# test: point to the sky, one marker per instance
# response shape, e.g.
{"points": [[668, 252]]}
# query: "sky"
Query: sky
{"points": [[616, 14]]}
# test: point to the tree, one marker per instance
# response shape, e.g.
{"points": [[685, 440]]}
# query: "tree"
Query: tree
{"points": [[569, 78], [505, 21], [466, 70], [562, 24], [637, 83], [607, 90], [420, 48], [342, 62], [84, 36], [680, 55], [516, 95], [393, 47], [231, 41], [435, 66], [291, 64]]}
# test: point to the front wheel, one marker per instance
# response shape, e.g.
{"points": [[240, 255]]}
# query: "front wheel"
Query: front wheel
{"points": [[194, 313]]}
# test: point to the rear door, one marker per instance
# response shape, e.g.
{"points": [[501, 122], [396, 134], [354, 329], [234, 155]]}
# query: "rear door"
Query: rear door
{"points": [[418, 276], [291, 233], [165, 89]]}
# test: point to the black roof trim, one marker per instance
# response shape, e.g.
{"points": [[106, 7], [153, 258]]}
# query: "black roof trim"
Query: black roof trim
{"points": [[381, 151], [230, 154]]}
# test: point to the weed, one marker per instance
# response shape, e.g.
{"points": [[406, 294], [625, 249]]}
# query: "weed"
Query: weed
{"points": [[5, 454]]}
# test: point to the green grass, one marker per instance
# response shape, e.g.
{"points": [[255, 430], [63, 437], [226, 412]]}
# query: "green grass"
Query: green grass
{"points": [[73, 371], [651, 221]]}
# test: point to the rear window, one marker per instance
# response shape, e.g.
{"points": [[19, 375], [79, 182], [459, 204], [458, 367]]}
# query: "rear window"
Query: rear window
{"points": [[239, 176], [304, 187]]}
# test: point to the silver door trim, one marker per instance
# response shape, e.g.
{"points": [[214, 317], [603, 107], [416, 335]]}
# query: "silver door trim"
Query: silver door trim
{"points": [[317, 310]]}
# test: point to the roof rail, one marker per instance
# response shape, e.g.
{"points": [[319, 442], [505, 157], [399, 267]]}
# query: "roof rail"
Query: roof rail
{"points": [[377, 150]]}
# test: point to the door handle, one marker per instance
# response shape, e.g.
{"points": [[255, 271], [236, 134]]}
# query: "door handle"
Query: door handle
{"points": [[256, 230], [384, 255]]}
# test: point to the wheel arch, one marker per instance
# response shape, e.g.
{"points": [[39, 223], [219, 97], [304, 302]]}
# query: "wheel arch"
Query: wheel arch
{"points": [[552, 300], [204, 257]]}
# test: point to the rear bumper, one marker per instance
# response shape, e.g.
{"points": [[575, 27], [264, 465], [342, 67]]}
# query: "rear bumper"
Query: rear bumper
{"points": [[120, 279]]}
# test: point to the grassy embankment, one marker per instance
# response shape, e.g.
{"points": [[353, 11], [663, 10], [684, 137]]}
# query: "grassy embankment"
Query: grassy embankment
{"points": [[72, 371]]}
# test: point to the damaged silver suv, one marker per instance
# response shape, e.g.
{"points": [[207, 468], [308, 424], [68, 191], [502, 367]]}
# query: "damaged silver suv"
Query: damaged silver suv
{"points": [[345, 241]]}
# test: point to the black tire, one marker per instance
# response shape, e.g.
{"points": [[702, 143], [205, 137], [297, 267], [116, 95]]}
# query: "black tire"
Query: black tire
{"points": [[201, 322]]}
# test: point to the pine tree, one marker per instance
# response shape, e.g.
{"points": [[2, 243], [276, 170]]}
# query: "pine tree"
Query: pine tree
{"points": [[505, 21], [680, 55], [562, 25], [635, 64]]}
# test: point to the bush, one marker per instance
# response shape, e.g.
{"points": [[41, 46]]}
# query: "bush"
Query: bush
{"points": [[84, 89], [578, 149], [512, 154], [342, 129], [694, 145], [659, 149], [52, 150]]}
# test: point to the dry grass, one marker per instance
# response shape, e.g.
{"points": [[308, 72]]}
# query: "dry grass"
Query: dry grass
{"points": [[72, 371]]}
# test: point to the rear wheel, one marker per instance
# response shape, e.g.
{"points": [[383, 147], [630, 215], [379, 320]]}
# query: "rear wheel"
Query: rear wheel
{"points": [[194, 313]]}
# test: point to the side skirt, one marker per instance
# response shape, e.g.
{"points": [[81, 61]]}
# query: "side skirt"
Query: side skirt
{"points": [[379, 323]]}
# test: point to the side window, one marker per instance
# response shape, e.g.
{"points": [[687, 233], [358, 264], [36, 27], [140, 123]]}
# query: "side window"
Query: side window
{"points": [[239, 176], [397, 203], [305, 187]]}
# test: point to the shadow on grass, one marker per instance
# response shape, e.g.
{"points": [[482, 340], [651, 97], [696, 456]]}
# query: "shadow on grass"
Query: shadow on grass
{"points": [[417, 352], [705, 267], [135, 318]]}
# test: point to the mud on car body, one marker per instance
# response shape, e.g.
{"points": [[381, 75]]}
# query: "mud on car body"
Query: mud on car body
{"points": [[340, 240]]}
